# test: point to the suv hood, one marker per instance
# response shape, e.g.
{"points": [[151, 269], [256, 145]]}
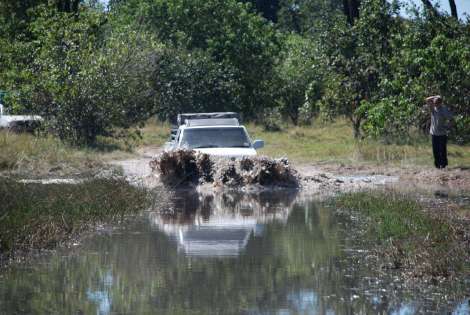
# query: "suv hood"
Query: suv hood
{"points": [[228, 152]]}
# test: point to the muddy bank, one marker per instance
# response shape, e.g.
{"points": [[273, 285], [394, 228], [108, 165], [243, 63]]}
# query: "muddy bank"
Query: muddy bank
{"points": [[317, 178], [410, 242], [247, 175], [427, 176], [77, 169], [425, 240]]}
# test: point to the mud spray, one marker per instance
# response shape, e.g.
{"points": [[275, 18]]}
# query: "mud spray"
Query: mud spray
{"points": [[187, 167]]}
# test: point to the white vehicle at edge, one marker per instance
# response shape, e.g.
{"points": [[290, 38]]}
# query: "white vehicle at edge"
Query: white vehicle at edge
{"points": [[213, 134], [18, 121]]}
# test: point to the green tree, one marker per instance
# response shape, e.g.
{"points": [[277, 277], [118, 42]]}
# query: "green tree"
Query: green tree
{"points": [[14, 35], [226, 30], [192, 82], [300, 79], [357, 58], [82, 85], [432, 57], [267, 8], [307, 16]]}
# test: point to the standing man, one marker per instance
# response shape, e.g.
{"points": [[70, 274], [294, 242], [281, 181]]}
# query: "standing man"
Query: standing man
{"points": [[440, 118]]}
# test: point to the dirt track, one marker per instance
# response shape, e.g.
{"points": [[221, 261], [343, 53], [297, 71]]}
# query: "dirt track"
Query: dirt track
{"points": [[451, 178], [325, 176]]}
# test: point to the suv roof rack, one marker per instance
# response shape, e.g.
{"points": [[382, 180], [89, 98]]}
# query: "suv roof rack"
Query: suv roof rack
{"points": [[181, 119], [212, 122]]}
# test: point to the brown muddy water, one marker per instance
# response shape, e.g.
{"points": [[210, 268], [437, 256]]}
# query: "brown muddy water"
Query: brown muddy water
{"points": [[219, 253]]}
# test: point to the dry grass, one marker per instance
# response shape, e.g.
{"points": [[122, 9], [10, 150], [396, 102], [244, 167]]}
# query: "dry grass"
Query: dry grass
{"points": [[154, 133], [320, 143], [32, 154], [333, 142]]}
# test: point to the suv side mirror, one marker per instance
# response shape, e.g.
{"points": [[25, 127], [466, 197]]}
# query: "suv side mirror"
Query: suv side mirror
{"points": [[258, 144]]}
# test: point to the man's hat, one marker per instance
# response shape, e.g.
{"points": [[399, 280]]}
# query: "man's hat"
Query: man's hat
{"points": [[434, 97]]}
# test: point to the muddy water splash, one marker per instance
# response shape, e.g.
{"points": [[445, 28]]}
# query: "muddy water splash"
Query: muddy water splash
{"points": [[215, 253], [187, 167]]}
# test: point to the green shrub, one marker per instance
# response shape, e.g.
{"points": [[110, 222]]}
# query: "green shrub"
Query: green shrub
{"points": [[83, 86], [272, 119]]}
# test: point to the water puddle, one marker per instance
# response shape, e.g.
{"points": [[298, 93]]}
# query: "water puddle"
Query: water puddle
{"points": [[50, 181], [376, 179], [216, 253]]}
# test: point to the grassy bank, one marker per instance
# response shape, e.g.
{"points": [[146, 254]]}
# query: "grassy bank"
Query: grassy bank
{"points": [[36, 216], [425, 242], [333, 142], [154, 133], [43, 155], [320, 143]]}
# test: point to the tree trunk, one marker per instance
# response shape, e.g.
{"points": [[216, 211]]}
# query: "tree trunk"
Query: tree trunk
{"points": [[357, 129], [355, 8], [356, 121], [346, 11], [75, 4], [427, 4], [453, 9], [69, 6], [351, 10], [294, 116], [296, 22], [429, 7]]}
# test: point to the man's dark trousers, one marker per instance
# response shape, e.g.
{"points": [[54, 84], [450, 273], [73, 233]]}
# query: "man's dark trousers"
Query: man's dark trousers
{"points": [[439, 149]]}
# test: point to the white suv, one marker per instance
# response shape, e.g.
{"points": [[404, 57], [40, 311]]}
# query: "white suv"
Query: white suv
{"points": [[216, 134], [16, 122]]}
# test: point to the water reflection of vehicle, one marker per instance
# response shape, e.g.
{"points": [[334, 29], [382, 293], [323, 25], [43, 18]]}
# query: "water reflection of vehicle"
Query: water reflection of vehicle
{"points": [[221, 224]]}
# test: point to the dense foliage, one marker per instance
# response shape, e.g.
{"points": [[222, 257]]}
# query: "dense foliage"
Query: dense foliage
{"points": [[91, 70]]}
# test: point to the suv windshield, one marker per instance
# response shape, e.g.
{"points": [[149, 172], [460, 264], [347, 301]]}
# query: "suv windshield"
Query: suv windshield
{"points": [[215, 138]]}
